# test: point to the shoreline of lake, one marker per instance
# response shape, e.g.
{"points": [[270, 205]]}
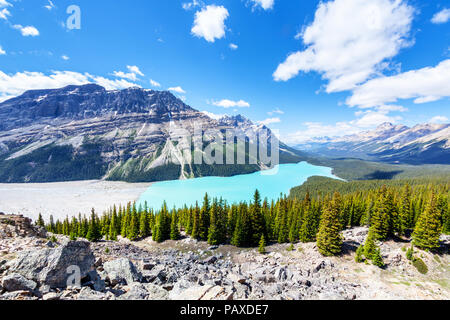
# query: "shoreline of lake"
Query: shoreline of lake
{"points": [[70, 198]]}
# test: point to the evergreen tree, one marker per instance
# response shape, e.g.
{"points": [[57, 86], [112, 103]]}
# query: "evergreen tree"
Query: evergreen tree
{"points": [[214, 236], [144, 227], [281, 223], [133, 228], [40, 222], [196, 223], [428, 229], [370, 246], [405, 210], [257, 220], [381, 217], [174, 230], [262, 245], [329, 240], [359, 254], [377, 259], [93, 233]]}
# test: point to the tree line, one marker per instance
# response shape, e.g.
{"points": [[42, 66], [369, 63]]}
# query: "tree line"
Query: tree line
{"points": [[420, 211]]}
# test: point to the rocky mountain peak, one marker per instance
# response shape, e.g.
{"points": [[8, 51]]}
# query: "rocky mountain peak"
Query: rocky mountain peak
{"points": [[84, 102]]}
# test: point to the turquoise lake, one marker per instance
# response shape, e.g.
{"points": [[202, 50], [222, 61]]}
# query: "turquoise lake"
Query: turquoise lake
{"points": [[270, 183]]}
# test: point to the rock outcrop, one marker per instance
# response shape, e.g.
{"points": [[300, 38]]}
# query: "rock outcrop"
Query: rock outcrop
{"points": [[53, 267], [12, 226]]}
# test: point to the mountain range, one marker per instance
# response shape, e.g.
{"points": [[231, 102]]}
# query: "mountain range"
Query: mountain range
{"points": [[87, 132], [422, 144]]}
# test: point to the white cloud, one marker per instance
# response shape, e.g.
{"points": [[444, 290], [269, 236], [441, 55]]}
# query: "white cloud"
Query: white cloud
{"points": [[135, 70], [16, 84], [132, 75], [424, 85], [123, 75], [265, 4], [214, 115], [209, 23], [372, 119], [155, 83], [442, 16], [50, 5], [4, 3], [4, 13], [27, 31], [439, 119], [225, 103], [270, 121], [233, 46], [177, 89], [350, 41], [191, 5], [276, 111], [2, 52], [365, 120], [64, 57]]}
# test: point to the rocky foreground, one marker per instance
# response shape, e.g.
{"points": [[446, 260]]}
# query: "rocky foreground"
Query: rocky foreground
{"points": [[34, 268]]}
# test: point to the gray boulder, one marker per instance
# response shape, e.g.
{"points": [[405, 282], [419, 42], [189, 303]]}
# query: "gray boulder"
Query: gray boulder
{"points": [[137, 291], [87, 294], [16, 282], [50, 266], [121, 271]]}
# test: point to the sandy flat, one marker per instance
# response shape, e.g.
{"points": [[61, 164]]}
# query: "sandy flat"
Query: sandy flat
{"points": [[63, 199]]}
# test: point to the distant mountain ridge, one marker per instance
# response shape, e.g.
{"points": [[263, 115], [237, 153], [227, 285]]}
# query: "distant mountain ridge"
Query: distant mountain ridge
{"points": [[422, 144], [87, 132]]}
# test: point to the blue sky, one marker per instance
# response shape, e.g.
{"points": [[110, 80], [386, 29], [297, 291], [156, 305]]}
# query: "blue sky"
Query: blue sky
{"points": [[306, 68]]}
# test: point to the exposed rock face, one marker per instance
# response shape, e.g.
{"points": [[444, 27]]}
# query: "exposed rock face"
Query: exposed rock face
{"points": [[121, 271], [180, 271], [18, 226], [93, 133], [50, 266], [16, 282]]}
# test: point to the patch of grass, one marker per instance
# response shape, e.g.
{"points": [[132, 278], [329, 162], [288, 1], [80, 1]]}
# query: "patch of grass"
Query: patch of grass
{"points": [[436, 257], [406, 283], [420, 266], [444, 283]]}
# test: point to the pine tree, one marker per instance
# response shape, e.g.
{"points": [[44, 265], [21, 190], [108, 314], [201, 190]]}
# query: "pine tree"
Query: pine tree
{"points": [[281, 223], [196, 223], [428, 229], [133, 228], [204, 218], [174, 230], [144, 228], [370, 246], [214, 236], [377, 259], [405, 210], [262, 245], [359, 254], [113, 226], [40, 222], [257, 220], [52, 224], [93, 233], [329, 240], [381, 217]]}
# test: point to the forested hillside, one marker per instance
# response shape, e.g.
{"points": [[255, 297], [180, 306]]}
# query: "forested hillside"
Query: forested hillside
{"points": [[389, 208]]}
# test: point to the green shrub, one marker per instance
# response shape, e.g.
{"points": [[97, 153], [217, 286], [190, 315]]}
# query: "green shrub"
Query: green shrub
{"points": [[420, 266], [410, 254]]}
